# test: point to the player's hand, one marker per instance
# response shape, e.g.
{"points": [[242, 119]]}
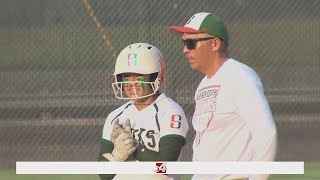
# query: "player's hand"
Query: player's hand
{"points": [[124, 146], [127, 126], [117, 129]]}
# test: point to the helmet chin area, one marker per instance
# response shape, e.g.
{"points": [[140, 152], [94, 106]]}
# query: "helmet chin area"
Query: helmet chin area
{"points": [[134, 89]]}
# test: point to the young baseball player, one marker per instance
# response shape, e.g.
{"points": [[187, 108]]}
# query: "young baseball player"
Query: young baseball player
{"points": [[150, 126], [232, 118]]}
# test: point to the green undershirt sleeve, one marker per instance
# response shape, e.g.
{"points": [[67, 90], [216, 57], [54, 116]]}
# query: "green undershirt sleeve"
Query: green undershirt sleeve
{"points": [[169, 149], [106, 147]]}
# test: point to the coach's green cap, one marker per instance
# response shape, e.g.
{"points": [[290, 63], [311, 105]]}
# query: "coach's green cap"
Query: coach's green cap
{"points": [[204, 23]]}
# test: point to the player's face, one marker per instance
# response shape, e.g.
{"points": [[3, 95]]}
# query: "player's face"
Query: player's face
{"points": [[197, 48], [135, 86]]}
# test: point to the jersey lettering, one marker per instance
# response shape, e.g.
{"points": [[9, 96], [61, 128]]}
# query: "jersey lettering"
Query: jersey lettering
{"points": [[135, 133], [139, 136], [150, 135], [147, 138], [206, 100]]}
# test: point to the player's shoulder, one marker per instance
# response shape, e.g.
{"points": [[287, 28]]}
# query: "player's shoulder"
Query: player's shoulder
{"points": [[166, 104], [118, 111]]}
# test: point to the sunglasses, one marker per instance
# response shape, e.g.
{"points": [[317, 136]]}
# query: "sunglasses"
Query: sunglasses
{"points": [[192, 43]]}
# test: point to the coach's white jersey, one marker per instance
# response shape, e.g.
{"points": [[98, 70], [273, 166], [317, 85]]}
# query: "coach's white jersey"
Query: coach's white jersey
{"points": [[162, 117], [232, 118]]}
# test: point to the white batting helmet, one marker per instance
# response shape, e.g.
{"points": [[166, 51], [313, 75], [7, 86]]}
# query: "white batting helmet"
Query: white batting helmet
{"points": [[140, 58]]}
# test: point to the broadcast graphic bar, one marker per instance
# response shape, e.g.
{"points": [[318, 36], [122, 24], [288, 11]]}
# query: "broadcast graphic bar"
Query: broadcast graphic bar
{"points": [[159, 167]]}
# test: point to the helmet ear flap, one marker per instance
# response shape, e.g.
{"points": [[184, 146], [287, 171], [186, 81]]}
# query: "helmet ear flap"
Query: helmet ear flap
{"points": [[160, 81]]}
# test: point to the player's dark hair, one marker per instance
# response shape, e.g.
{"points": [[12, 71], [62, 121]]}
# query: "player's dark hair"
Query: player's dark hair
{"points": [[153, 77]]}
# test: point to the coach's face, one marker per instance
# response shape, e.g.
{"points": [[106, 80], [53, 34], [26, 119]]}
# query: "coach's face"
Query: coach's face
{"points": [[198, 49], [136, 85]]}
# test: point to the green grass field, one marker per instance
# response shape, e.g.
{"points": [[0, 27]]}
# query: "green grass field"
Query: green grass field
{"points": [[312, 171]]}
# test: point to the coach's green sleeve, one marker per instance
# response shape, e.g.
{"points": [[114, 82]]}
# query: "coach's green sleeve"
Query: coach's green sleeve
{"points": [[106, 147], [169, 149]]}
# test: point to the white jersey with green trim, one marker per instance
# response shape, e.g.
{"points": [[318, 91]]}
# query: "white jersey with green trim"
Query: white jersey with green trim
{"points": [[232, 119], [162, 117]]}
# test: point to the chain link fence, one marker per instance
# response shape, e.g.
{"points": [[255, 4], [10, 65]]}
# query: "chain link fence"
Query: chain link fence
{"points": [[57, 60]]}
